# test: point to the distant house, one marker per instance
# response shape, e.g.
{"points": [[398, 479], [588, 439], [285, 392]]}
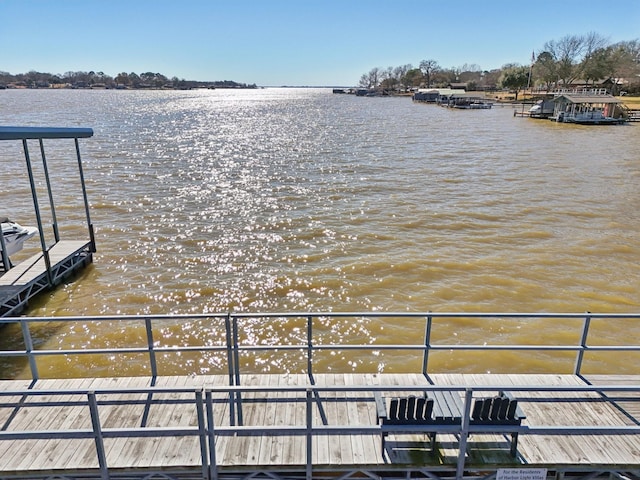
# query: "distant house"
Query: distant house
{"points": [[426, 95], [459, 86], [434, 95], [615, 85]]}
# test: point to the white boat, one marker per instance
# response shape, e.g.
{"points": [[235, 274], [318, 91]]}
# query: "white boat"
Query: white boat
{"points": [[15, 235]]}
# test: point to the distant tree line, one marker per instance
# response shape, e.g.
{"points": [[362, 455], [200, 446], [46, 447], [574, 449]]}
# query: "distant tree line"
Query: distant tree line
{"points": [[585, 59], [34, 79]]}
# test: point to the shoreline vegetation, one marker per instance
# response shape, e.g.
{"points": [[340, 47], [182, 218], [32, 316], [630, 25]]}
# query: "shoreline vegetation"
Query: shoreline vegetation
{"points": [[506, 96], [574, 61], [100, 80]]}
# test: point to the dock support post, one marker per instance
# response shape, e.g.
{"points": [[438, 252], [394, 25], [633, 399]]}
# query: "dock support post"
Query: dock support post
{"points": [[213, 462], [202, 429], [232, 395], [310, 346], [28, 345], [427, 343], [36, 206], [583, 345], [464, 434], [97, 433], [84, 197], [56, 231], [6, 263], [152, 353], [309, 412], [236, 364]]}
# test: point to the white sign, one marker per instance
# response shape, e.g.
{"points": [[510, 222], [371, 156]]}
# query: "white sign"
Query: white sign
{"points": [[521, 474]]}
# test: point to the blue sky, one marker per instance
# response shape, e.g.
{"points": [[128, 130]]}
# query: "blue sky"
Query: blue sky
{"points": [[286, 42]]}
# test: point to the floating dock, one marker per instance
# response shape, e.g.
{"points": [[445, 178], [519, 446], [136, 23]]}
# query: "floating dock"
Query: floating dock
{"points": [[243, 424], [58, 258]]}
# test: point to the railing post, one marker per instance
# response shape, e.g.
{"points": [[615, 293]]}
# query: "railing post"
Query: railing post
{"points": [[309, 436], [236, 356], [152, 352], [230, 360], [583, 345], [202, 429], [213, 462], [28, 345], [97, 434], [310, 346], [427, 344], [464, 433]]}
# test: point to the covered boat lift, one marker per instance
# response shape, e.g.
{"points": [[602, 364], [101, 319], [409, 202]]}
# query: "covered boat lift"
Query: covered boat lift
{"points": [[593, 107], [58, 259]]}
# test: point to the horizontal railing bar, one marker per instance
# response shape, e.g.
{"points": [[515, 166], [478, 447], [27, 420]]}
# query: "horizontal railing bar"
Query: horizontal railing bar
{"points": [[280, 430], [112, 350], [437, 347], [319, 389], [45, 434], [327, 347], [304, 316]]}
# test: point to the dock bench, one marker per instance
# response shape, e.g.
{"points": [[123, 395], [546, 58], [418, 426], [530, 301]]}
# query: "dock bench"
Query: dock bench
{"points": [[430, 413], [442, 412], [501, 411]]}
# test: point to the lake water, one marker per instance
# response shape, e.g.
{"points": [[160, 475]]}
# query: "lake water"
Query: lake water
{"points": [[277, 200]]}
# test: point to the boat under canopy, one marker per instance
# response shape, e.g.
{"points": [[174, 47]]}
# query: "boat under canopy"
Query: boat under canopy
{"points": [[13, 237]]}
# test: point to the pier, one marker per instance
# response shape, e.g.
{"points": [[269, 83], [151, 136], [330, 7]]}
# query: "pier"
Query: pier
{"points": [[59, 258], [240, 421]]}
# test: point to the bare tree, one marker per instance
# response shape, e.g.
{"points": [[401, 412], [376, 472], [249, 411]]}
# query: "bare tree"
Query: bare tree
{"points": [[567, 53], [428, 68], [546, 70], [371, 79], [400, 73]]}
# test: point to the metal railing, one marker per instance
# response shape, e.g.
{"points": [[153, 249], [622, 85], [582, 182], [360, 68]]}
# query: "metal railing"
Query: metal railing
{"points": [[204, 400], [232, 347]]}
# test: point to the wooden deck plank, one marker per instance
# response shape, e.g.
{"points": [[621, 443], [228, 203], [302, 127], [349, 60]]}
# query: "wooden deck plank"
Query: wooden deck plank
{"points": [[267, 453], [53, 453], [287, 408], [31, 418], [293, 415], [167, 415], [30, 269]]}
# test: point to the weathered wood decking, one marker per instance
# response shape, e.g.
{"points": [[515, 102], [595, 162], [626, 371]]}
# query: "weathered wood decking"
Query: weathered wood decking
{"points": [[264, 450]]}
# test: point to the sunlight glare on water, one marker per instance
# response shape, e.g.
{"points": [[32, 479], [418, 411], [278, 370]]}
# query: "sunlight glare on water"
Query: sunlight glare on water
{"points": [[277, 200]]}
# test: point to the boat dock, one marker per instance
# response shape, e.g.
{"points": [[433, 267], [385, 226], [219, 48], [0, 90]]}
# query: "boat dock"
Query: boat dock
{"points": [[58, 258], [633, 115], [240, 422]]}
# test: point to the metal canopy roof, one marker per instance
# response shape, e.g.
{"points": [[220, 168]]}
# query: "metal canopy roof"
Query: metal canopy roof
{"points": [[582, 98], [27, 133]]}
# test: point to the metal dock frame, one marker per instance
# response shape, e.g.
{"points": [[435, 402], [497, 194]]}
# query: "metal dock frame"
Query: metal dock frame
{"points": [[55, 262]]}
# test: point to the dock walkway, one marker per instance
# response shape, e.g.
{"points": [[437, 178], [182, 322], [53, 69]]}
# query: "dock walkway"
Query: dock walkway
{"points": [[149, 429], [314, 424], [30, 277]]}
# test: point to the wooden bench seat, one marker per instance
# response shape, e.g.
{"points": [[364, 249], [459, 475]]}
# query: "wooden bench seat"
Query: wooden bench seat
{"points": [[442, 412], [430, 413]]}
